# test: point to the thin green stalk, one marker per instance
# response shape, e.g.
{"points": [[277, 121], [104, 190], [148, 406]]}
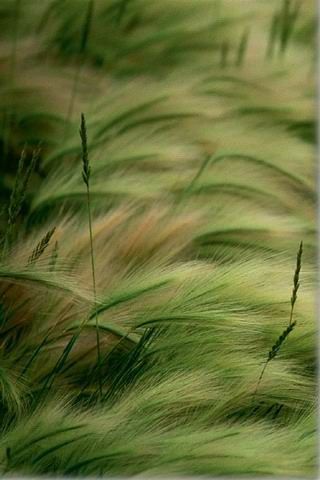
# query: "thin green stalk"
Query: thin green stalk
{"points": [[276, 347], [86, 171], [274, 30], [242, 48], [86, 178]]}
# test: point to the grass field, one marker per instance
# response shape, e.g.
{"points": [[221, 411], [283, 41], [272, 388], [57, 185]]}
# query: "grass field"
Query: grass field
{"points": [[158, 175]]}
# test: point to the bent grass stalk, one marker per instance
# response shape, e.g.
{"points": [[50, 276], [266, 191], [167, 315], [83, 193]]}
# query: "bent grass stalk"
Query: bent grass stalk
{"points": [[276, 347]]}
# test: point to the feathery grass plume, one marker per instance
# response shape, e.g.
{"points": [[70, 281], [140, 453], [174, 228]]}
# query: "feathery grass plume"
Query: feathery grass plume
{"points": [[276, 347], [41, 247], [18, 194], [82, 52], [192, 384], [86, 171], [296, 283], [242, 48]]}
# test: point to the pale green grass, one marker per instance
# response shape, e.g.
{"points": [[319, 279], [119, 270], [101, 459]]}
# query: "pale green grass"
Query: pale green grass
{"points": [[200, 134]]}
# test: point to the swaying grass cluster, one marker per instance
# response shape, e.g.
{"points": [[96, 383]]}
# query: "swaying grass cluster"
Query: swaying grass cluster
{"points": [[147, 263]]}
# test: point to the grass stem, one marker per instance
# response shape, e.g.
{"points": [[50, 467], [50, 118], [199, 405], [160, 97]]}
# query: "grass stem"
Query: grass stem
{"points": [[276, 347], [86, 178]]}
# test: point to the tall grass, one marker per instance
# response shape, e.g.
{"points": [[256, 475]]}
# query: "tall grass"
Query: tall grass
{"points": [[137, 299], [86, 172], [276, 347]]}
